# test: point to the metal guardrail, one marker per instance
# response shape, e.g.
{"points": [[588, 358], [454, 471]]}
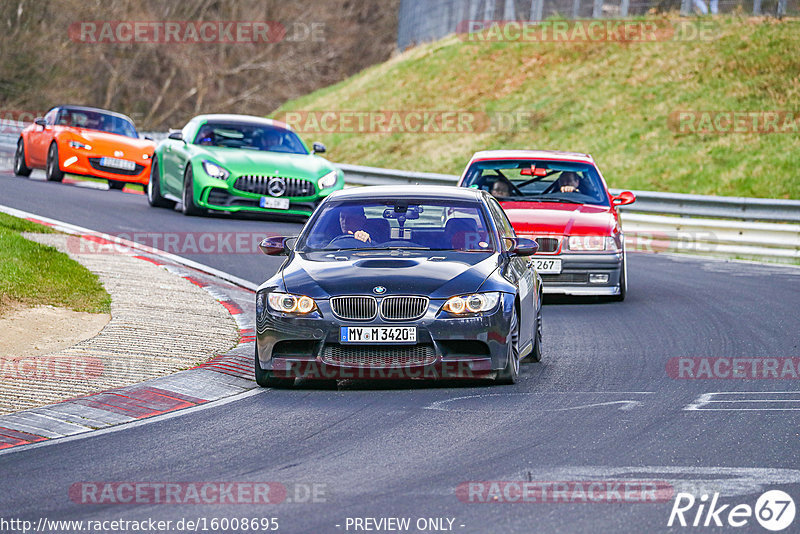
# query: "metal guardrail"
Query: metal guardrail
{"points": [[751, 209], [669, 222]]}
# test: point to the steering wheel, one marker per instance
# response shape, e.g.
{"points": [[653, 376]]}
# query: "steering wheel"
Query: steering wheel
{"points": [[552, 189], [346, 237]]}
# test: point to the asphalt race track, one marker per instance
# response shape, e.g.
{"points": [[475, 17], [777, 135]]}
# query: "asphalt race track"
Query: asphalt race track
{"points": [[600, 406]]}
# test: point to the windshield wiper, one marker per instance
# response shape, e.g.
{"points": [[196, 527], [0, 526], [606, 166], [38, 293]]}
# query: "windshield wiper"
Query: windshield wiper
{"points": [[547, 199]]}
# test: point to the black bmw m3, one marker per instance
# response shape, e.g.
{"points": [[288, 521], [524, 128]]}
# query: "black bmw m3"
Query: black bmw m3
{"points": [[398, 283]]}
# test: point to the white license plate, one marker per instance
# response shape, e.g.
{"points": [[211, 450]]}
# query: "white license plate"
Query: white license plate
{"points": [[118, 163], [274, 203], [378, 334], [544, 266]]}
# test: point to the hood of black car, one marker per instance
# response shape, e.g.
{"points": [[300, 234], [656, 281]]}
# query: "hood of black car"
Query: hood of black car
{"points": [[437, 275]]}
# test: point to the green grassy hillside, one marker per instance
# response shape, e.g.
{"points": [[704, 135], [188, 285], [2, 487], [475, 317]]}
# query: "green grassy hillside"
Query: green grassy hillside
{"points": [[613, 100]]}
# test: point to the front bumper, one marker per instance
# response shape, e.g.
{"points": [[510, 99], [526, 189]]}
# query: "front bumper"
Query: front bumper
{"points": [[446, 347], [216, 194], [576, 269], [88, 164]]}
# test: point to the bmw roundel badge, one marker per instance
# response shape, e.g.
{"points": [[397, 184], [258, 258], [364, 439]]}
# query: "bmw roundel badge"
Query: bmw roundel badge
{"points": [[379, 290]]}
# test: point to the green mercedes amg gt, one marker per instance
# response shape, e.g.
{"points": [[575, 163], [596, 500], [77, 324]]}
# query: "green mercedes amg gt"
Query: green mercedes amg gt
{"points": [[240, 163]]}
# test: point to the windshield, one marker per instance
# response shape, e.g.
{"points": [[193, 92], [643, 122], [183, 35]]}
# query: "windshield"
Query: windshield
{"points": [[398, 224], [250, 136], [95, 120], [537, 180]]}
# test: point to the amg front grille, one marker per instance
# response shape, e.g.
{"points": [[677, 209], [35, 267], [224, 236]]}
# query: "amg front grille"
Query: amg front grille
{"points": [[356, 308], [403, 308], [547, 244], [292, 187], [379, 356], [95, 163]]}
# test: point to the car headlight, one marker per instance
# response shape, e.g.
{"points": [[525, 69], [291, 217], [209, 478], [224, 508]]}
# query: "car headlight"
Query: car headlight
{"points": [[78, 144], [288, 303], [329, 180], [587, 242], [215, 171], [471, 304]]}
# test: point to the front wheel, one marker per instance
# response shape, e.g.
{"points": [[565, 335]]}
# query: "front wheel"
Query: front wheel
{"points": [[53, 172], [510, 372], [536, 353], [189, 207], [154, 197], [623, 280], [266, 379], [20, 165]]}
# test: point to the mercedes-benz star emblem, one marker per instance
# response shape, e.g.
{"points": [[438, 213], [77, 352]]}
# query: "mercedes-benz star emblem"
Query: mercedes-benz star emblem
{"points": [[276, 186], [379, 290]]}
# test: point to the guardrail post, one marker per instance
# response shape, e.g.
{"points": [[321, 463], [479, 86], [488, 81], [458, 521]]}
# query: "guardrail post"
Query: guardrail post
{"points": [[756, 7], [686, 7], [537, 6], [576, 8], [597, 9], [623, 8], [781, 9]]}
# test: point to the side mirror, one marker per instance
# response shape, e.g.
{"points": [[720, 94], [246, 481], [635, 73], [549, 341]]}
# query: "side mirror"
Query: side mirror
{"points": [[175, 136], [626, 197], [277, 246], [318, 148], [149, 138], [39, 121], [525, 247]]}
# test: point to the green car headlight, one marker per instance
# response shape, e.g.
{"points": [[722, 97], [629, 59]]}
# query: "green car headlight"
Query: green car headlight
{"points": [[471, 304], [215, 171], [329, 180], [288, 303]]}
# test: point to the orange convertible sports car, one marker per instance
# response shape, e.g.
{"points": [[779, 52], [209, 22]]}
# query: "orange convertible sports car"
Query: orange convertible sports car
{"points": [[86, 141]]}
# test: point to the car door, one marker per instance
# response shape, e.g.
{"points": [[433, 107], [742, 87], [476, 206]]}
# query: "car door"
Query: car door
{"points": [[520, 272], [39, 140]]}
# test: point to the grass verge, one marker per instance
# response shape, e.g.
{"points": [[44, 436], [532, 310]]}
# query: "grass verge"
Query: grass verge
{"points": [[32, 274], [615, 100]]}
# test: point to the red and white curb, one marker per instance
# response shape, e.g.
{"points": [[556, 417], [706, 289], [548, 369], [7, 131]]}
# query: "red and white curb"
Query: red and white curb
{"points": [[226, 375]]}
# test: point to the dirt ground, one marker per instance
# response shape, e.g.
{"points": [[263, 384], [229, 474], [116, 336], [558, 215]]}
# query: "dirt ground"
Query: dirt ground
{"points": [[36, 331]]}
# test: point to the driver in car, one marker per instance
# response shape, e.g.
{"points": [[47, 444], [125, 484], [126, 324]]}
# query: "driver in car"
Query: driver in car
{"points": [[353, 221], [569, 182], [500, 189]]}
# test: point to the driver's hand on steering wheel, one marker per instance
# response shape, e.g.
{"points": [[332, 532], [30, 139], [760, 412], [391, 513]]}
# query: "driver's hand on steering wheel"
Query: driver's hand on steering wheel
{"points": [[568, 189], [361, 235]]}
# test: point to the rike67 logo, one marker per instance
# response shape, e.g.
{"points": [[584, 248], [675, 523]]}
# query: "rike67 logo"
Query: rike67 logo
{"points": [[774, 510]]}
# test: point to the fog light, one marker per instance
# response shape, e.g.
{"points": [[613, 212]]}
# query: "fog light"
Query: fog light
{"points": [[598, 278]]}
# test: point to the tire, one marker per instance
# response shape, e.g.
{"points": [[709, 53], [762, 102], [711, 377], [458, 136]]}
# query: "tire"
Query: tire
{"points": [[189, 207], [20, 165], [266, 380], [623, 280], [510, 372], [536, 353], [118, 186], [53, 171], [153, 189]]}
